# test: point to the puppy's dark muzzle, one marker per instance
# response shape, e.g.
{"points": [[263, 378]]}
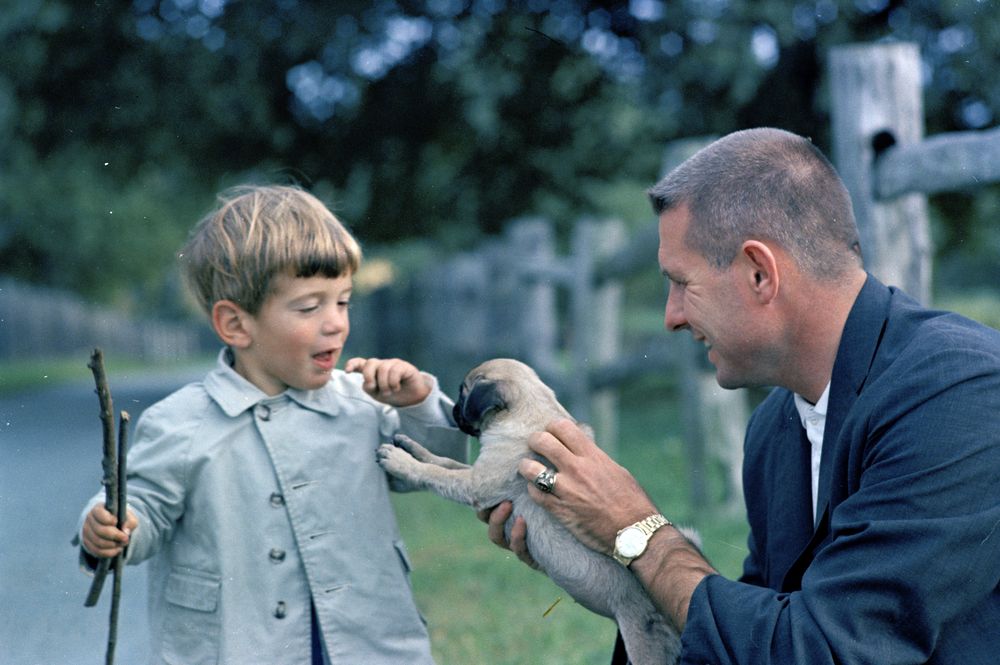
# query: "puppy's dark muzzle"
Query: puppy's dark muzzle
{"points": [[458, 412]]}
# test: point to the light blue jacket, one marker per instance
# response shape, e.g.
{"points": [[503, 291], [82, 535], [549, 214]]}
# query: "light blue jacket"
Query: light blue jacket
{"points": [[250, 505]]}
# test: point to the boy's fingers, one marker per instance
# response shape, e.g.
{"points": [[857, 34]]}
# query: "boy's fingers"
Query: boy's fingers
{"points": [[353, 364]]}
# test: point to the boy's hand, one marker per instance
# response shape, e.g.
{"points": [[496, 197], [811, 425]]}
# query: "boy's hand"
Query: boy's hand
{"points": [[391, 381], [101, 535]]}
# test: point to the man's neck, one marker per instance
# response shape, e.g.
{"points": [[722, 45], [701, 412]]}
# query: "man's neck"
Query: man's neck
{"points": [[821, 317]]}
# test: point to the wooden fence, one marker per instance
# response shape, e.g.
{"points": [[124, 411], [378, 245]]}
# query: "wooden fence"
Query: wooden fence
{"points": [[42, 322], [517, 296]]}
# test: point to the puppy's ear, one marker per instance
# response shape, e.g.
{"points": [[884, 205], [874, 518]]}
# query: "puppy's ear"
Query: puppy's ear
{"points": [[483, 397]]}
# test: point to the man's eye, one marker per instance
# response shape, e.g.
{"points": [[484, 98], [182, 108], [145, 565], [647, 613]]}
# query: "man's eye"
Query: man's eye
{"points": [[308, 309]]}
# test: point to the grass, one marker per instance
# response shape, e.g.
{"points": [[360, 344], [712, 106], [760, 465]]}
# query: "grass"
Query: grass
{"points": [[18, 375], [29, 374], [484, 606]]}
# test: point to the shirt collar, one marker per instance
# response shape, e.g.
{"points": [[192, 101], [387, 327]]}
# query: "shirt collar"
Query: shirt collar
{"points": [[806, 409]]}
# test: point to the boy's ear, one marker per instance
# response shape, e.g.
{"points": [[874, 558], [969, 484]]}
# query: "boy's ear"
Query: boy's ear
{"points": [[232, 324]]}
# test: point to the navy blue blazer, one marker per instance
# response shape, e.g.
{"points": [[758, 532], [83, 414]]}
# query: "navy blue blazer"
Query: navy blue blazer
{"points": [[902, 564]]}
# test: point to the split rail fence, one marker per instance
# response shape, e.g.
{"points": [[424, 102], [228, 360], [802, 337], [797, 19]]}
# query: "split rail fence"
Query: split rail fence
{"points": [[562, 313]]}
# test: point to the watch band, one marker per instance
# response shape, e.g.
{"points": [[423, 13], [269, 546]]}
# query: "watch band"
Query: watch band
{"points": [[652, 523], [646, 528]]}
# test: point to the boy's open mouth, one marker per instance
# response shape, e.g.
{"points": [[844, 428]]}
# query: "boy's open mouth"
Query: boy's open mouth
{"points": [[324, 359]]}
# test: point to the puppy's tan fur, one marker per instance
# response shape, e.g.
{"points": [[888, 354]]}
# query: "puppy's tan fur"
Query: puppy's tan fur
{"points": [[503, 402]]}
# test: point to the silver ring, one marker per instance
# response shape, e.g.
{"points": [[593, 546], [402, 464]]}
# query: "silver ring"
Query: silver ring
{"points": [[546, 480]]}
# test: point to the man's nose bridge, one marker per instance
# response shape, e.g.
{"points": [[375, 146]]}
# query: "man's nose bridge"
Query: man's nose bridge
{"points": [[673, 315]]}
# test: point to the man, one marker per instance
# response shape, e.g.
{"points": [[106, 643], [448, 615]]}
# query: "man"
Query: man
{"points": [[871, 471]]}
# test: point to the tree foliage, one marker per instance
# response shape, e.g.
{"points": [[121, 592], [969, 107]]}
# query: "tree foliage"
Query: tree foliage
{"points": [[438, 119]]}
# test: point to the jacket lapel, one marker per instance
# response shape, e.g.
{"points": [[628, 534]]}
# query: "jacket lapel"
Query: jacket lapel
{"points": [[859, 344]]}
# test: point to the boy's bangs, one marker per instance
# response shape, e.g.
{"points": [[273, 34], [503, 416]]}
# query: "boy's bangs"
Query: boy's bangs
{"points": [[327, 265]]}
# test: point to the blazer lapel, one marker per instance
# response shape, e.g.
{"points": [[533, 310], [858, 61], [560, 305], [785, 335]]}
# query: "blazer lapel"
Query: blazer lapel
{"points": [[792, 524], [859, 344]]}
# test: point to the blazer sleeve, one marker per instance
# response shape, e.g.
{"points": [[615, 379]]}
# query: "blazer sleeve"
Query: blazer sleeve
{"points": [[913, 547]]}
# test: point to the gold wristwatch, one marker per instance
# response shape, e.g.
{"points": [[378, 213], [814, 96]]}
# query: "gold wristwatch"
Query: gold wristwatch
{"points": [[632, 540]]}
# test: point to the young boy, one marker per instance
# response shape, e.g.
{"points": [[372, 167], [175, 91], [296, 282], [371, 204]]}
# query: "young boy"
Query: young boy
{"points": [[255, 493]]}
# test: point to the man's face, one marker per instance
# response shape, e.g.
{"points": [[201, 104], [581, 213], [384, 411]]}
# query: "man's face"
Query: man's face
{"points": [[708, 302]]}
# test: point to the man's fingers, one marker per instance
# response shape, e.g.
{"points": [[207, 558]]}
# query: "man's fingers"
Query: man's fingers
{"points": [[570, 435], [530, 468], [497, 519], [519, 542]]}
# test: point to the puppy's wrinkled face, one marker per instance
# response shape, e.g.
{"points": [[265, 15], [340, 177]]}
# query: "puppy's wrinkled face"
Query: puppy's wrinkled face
{"points": [[477, 397], [490, 389]]}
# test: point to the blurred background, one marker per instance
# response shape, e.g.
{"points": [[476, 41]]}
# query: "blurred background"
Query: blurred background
{"points": [[461, 141]]}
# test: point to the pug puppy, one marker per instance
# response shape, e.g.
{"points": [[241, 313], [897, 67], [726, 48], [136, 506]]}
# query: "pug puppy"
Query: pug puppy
{"points": [[502, 402]]}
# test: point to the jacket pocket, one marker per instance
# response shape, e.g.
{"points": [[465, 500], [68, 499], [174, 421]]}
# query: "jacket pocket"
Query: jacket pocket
{"points": [[191, 623]]}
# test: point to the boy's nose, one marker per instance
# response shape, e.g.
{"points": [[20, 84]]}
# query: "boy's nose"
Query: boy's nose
{"points": [[334, 324]]}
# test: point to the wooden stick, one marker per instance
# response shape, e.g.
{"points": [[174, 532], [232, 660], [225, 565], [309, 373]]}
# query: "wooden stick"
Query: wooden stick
{"points": [[119, 561], [109, 463]]}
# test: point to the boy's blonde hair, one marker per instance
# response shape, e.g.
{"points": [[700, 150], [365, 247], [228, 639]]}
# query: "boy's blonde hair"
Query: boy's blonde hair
{"points": [[258, 231]]}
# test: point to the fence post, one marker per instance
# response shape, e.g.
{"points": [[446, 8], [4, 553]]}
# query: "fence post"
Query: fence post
{"points": [[594, 337], [606, 324], [532, 246], [581, 318], [875, 103]]}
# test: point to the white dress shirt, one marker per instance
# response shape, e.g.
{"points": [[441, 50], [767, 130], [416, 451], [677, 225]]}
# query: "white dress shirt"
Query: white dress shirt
{"points": [[813, 418]]}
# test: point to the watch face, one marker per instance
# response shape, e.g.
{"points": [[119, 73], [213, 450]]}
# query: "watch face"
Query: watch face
{"points": [[631, 542]]}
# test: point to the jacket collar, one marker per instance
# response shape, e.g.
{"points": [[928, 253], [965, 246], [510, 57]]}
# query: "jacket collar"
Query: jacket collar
{"points": [[234, 394], [859, 344]]}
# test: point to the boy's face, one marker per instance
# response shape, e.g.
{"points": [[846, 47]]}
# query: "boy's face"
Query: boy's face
{"points": [[298, 335]]}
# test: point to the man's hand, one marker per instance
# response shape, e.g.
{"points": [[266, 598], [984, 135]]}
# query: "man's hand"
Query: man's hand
{"points": [[496, 518], [593, 496], [102, 537], [391, 381]]}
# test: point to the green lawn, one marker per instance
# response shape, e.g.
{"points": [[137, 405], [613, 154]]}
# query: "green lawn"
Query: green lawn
{"points": [[484, 606]]}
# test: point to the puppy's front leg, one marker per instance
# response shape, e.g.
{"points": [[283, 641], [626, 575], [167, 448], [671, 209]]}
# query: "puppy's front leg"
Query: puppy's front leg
{"points": [[451, 483], [422, 454]]}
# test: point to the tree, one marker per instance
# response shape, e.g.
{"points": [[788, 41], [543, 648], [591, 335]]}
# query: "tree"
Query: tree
{"points": [[434, 119]]}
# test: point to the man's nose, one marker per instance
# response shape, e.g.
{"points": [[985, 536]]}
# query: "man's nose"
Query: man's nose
{"points": [[673, 316]]}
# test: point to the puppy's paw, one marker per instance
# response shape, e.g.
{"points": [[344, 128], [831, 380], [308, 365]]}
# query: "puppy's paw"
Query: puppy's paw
{"points": [[394, 460], [414, 448]]}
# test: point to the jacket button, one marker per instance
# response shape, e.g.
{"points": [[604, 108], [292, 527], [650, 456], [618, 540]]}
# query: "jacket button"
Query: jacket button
{"points": [[277, 500], [277, 555], [280, 610]]}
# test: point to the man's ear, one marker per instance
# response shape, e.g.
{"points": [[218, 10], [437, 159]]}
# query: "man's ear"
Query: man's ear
{"points": [[761, 266], [232, 324]]}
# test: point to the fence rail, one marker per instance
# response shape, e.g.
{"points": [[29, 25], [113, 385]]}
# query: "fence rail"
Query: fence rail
{"points": [[42, 322]]}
